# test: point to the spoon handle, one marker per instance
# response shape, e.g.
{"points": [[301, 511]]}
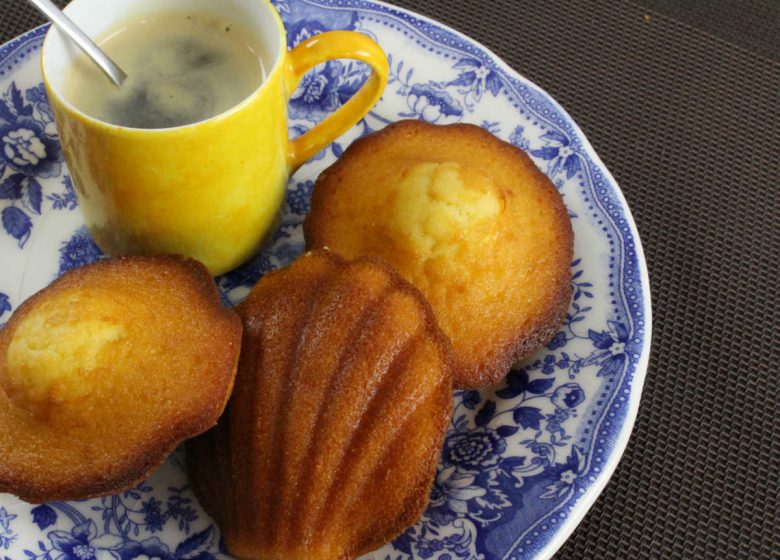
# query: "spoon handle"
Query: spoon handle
{"points": [[66, 25]]}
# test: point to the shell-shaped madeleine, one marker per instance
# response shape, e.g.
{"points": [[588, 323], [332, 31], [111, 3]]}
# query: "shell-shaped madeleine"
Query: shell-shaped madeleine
{"points": [[330, 441]]}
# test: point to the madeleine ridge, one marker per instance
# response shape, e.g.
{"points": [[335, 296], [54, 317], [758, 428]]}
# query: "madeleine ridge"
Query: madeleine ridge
{"points": [[329, 445], [106, 371], [470, 221]]}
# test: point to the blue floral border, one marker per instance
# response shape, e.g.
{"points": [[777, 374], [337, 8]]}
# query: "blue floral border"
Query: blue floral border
{"points": [[9, 48], [609, 425]]}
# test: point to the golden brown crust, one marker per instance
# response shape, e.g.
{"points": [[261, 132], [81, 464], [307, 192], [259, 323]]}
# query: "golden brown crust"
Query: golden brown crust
{"points": [[500, 287], [329, 445], [107, 431]]}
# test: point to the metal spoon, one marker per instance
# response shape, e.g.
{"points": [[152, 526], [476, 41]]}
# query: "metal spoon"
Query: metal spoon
{"points": [[66, 25]]}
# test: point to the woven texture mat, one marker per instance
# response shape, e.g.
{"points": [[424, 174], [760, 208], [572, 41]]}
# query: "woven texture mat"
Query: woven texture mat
{"points": [[683, 109]]}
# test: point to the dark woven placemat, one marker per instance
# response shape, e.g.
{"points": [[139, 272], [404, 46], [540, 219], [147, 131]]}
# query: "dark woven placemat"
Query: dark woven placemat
{"points": [[17, 16], [688, 124], [684, 113]]}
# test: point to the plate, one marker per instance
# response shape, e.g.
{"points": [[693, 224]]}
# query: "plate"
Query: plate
{"points": [[523, 462]]}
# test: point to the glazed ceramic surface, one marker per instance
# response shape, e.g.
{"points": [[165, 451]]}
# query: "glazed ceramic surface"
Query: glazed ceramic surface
{"points": [[210, 190], [521, 463]]}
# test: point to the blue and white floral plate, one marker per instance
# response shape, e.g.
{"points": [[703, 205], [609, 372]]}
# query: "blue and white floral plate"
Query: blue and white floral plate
{"points": [[522, 463]]}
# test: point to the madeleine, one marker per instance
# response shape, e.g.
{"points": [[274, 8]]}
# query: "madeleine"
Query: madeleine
{"points": [[470, 221], [106, 371], [329, 445]]}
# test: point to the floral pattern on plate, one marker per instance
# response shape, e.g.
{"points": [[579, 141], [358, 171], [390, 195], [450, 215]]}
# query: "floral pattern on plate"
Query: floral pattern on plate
{"points": [[522, 462]]}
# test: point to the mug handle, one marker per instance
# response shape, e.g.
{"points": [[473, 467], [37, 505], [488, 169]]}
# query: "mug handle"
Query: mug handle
{"points": [[321, 48]]}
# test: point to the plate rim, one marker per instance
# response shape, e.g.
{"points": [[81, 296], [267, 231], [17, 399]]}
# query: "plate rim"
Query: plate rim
{"points": [[582, 503]]}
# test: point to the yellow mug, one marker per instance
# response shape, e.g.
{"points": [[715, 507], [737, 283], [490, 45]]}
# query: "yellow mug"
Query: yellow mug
{"points": [[211, 190]]}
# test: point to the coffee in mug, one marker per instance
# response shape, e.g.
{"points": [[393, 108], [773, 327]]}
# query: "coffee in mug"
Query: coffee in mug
{"points": [[182, 67], [160, 174]]}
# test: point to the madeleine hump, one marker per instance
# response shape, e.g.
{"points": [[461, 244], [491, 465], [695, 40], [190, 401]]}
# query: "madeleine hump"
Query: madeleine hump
{"points": [[470, 221], [106, 371]]}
